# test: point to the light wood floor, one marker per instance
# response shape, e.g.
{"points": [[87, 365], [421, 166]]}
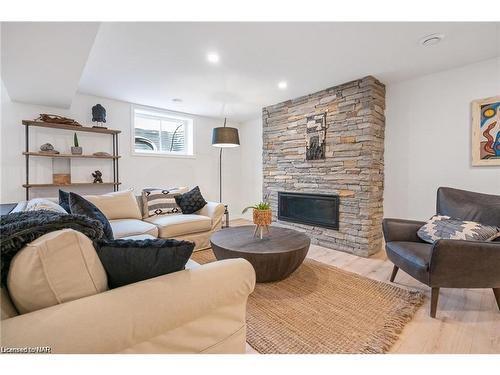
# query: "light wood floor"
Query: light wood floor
{"points": [[467, 321]]}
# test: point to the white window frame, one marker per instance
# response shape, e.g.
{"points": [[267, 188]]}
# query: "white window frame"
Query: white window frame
{"points": [[190, 132]]}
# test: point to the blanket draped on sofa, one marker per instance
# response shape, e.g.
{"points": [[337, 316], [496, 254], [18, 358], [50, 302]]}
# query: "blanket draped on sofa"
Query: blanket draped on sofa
{"points": [[20, 228]]}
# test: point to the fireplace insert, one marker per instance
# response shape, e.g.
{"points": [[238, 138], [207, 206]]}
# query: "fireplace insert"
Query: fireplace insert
{"points": [[312, 209]]}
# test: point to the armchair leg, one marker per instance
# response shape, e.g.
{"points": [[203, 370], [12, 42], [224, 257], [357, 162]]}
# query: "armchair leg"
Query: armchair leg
{"points": [[394, 272], [434, 301], [496, 291]]}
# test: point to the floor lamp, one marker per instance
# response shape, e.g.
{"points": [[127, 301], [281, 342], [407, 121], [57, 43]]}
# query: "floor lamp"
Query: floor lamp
{"points": [[224, 137]]}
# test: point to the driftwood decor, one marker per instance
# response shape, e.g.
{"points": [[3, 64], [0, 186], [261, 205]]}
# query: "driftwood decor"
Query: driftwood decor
{"points": [[56, 119]]}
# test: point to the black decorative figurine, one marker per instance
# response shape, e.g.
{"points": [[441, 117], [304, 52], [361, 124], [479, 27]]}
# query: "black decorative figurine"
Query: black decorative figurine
{"points": [[98, 114], [97, 177]]}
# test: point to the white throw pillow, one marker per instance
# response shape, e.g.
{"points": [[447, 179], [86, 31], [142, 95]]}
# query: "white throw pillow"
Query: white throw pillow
{"points": [[43, 204], [58, 267], [161, 201]]}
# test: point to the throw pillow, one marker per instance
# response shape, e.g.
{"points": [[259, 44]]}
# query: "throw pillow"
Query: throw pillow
{"points": [[37, 204], [64, 200], [57, 267], [161, 201], [117, 205], [445, 227], [80, 206], [130, 261], [191, 201]]}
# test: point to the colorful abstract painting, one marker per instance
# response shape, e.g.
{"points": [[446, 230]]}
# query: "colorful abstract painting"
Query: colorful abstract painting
{"points": [[486, 131]]}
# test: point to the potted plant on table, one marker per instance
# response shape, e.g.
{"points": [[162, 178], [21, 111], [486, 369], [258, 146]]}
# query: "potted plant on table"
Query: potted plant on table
{"points": [[262, 216], [76, 149]]}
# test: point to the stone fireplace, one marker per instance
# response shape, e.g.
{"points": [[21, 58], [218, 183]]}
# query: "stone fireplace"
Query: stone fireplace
{"points": [[344, 125], [319, 210]]}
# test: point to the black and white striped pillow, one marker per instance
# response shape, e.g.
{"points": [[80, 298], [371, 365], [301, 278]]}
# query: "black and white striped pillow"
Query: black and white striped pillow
{"points": [[161, 201], [444, 227]]}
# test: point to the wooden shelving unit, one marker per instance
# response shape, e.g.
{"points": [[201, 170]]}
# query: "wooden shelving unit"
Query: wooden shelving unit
{"points": [[28, 154], [70, 127], [70, 156], [72, 184]]}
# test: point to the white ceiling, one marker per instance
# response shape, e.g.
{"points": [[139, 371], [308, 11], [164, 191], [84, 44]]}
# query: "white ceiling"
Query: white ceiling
{"points": [[42, 62], [152, 63]]}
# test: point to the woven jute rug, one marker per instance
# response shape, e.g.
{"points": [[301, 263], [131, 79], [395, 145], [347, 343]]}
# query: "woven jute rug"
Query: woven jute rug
{"points": [[323, 309]]}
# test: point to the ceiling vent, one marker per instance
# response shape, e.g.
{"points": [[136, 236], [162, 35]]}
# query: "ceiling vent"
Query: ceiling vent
{"points": [[431, 40]]}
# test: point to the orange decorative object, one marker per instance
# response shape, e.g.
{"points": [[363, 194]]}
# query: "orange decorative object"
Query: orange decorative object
{"points": [[61, 178], [262, 217]]}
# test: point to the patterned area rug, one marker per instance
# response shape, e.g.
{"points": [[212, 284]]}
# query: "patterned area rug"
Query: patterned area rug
{"points": [[323, 309]]}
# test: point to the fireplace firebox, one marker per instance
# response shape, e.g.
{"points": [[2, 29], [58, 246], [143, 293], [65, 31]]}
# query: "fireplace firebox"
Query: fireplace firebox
{"points": [[311, 209]]}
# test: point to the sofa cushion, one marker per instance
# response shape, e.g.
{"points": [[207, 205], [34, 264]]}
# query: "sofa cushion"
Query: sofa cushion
{"points": [[191, 201], [139, 237], [411, 257], [117, 205], [7, 309], [80, 206], [130, 261], [191, 264], [177, 225], [58, 267], [132, 227]]}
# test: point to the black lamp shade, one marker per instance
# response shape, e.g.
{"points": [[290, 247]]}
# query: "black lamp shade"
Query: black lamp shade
{"points": [[225, 137]]}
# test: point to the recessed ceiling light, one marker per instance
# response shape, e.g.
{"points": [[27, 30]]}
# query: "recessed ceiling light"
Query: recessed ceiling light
{"points": [[282, 85], [213, 57], [431, 40], [177, 100]]}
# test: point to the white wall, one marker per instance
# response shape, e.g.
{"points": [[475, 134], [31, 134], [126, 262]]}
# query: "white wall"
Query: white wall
{"points": [[135, 171], [251, 163], [428, 138]]}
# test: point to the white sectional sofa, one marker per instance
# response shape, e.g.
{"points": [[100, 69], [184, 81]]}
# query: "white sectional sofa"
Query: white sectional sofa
{"points": [[201, 309], [127, 217]]}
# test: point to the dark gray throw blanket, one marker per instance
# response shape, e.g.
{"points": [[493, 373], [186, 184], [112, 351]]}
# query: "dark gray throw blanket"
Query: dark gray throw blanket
{"points": [[20, 228]]}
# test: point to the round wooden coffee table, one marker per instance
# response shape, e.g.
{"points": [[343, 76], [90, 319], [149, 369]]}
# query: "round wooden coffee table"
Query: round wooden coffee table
{"points": [[274, 257]]}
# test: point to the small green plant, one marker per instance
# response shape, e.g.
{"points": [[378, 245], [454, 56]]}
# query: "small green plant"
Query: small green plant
{"points": [[75, 140], [259, 206]]}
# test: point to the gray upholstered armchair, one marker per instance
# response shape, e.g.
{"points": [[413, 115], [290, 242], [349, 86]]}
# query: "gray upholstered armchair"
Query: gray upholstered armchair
{"points": [[448, 263]]}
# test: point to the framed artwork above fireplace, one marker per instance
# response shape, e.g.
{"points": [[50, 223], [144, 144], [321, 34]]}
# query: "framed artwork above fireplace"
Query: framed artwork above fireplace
{"points": [[316, 137]]}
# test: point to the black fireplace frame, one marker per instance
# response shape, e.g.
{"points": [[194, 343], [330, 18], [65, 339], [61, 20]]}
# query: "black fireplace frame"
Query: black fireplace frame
{"points": [[331, 197]]}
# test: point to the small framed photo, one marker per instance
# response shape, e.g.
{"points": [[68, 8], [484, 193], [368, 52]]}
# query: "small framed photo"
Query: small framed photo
{"points": [[486, 131]]}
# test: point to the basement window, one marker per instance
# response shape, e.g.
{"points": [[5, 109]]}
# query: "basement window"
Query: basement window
{"points": [[161, 133]]}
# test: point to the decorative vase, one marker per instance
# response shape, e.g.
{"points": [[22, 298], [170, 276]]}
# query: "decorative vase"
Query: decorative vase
{"points": [[262, 217], [76, 150]]}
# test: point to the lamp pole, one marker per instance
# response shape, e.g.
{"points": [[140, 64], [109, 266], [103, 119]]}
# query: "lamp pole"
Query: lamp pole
{"points": [[224, 137], [220, 169]]}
